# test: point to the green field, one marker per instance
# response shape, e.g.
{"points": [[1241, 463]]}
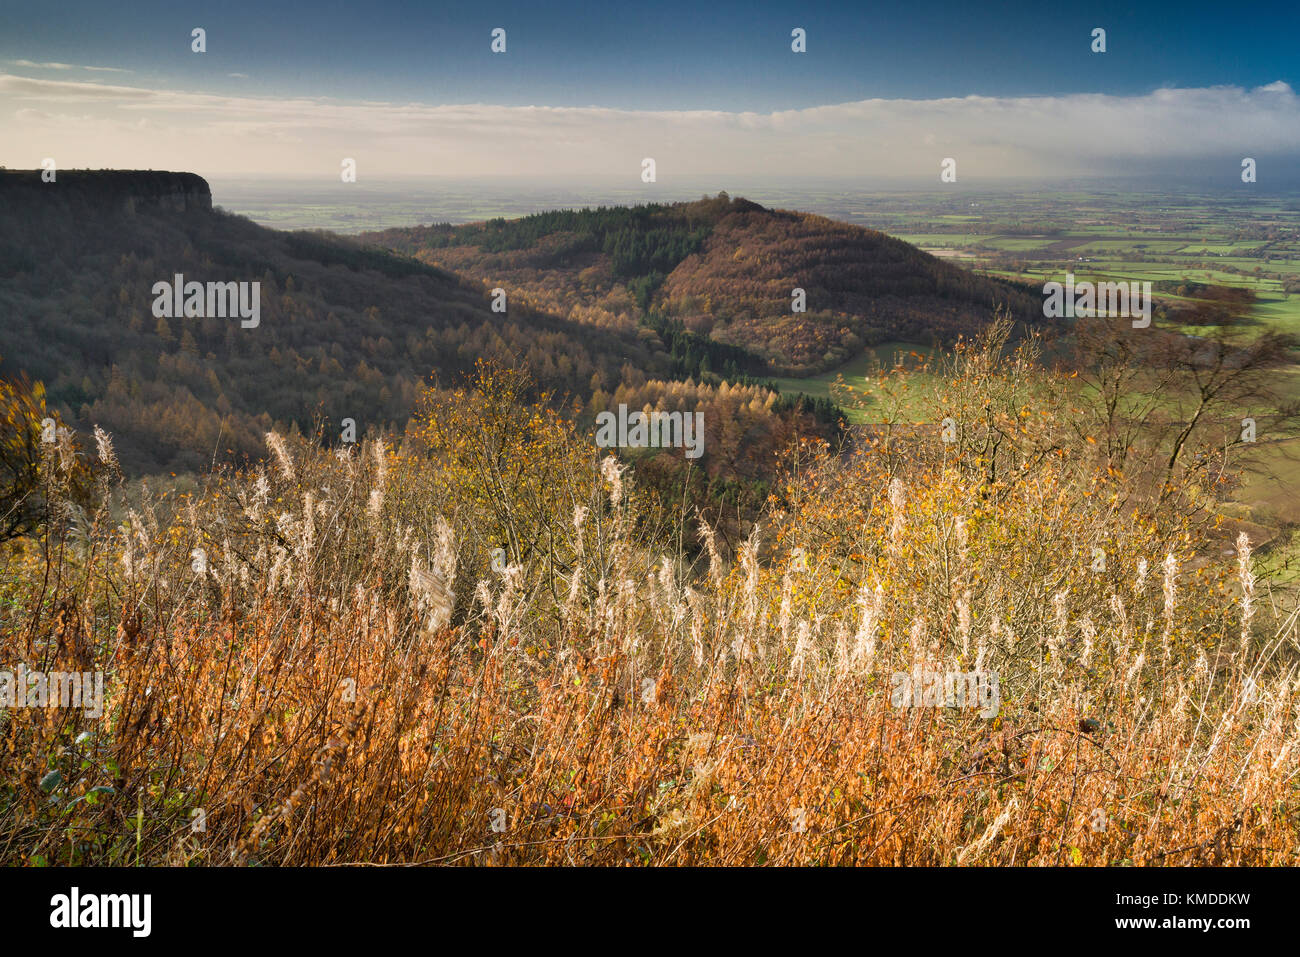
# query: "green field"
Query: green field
{"points": [[862, 375], [1231, 240]]}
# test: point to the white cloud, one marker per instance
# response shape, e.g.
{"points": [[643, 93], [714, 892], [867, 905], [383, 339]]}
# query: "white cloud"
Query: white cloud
{"points": [[28, 64], [989, 136]]}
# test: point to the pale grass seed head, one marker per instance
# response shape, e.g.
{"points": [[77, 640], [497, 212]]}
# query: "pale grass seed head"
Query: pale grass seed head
{"points": [[711, 545], [104, 448], [280, 449], [802, 650], [897, 504], [1246, 578], [432, 593], [1170, 595], [963, 621], [613, 473], [1089, 632], [870, 604], [261, 495]]}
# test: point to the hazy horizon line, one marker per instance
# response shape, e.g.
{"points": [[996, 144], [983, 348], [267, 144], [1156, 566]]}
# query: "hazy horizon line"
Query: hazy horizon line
{"points": [[1205, 131]]}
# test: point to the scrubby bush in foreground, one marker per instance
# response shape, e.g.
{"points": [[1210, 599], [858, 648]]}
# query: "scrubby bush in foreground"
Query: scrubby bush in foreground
{"points": [[320, 661]]}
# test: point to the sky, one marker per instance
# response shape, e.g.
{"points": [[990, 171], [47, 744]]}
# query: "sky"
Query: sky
{"points": [[588, 89]]}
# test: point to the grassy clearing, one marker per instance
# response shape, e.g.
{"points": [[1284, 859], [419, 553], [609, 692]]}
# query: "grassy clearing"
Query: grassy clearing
{"points": [[862, 376]]}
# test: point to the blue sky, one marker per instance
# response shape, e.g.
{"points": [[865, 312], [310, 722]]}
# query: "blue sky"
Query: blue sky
{"points": [[705, 88], [673, 55]]}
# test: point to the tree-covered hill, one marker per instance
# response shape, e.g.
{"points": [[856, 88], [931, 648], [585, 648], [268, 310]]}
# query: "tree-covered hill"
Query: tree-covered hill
{"points": [[723, 272], [860, 288], [346, 330]]}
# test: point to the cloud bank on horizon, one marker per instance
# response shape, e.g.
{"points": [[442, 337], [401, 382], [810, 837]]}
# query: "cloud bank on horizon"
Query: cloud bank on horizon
{"points": [[98, 124]]}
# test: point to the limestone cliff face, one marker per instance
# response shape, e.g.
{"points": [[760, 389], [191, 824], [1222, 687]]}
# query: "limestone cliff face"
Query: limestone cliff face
{"points": [[126, 191]]}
